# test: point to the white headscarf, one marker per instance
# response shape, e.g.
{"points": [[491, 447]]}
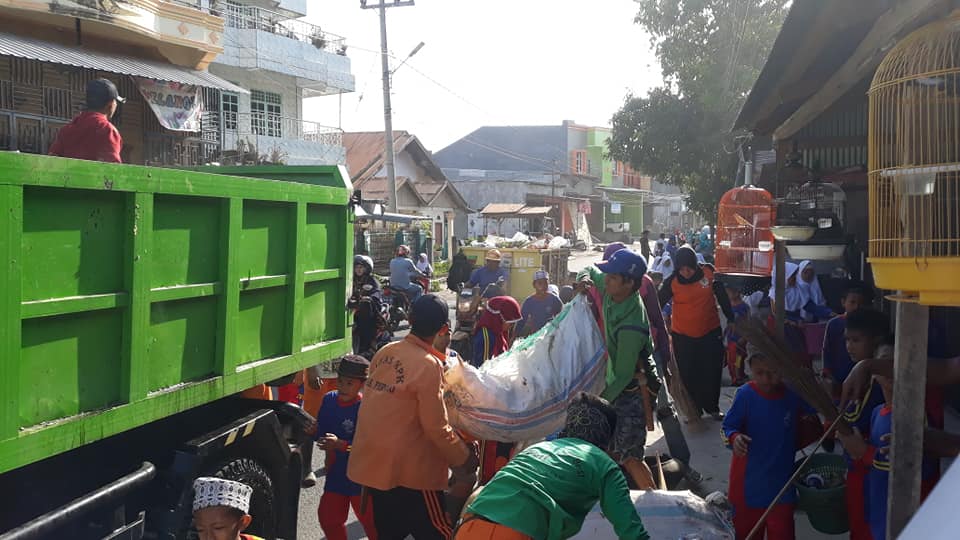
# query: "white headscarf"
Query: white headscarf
{"points": [[811, 290], [665, 266], [793, 297], [422, 263]]}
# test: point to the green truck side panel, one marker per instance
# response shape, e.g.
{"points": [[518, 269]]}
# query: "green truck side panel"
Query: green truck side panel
{"points": [[128, 293]]}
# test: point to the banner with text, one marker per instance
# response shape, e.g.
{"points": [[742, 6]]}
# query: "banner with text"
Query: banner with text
{"points": [[178, 106]]}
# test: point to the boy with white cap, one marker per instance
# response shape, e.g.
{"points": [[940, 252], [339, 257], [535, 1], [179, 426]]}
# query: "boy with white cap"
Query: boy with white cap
{"points": [[540, 307], [220, 509]]}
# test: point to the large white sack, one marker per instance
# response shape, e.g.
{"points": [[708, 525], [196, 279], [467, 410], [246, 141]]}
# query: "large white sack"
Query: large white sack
{"points": [[522, 394], [665, 514]]}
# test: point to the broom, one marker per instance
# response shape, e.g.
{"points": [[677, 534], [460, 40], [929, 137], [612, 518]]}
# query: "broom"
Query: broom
{"points": [[802, 380], [682, 399]]}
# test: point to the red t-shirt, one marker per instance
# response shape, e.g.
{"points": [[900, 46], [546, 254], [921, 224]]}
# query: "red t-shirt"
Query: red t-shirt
{"points": [[89, 136]]}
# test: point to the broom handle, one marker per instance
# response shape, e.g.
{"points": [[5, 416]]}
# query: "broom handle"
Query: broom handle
{"points": [[759, 525]]}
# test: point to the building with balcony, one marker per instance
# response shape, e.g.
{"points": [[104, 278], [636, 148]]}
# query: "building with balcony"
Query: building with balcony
{"points": [[280, 59], [565, 166], [155, 48]]}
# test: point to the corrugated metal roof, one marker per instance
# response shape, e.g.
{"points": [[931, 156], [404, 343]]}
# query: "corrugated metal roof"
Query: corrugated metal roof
{"points": [[45, 51], [501, 208], [534, 210]]}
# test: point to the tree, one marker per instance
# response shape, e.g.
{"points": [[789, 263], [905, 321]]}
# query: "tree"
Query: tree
{"points": [[710, 53]]}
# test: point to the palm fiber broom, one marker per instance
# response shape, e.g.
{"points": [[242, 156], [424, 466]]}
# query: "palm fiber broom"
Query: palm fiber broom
{"points": [[802, 380]]}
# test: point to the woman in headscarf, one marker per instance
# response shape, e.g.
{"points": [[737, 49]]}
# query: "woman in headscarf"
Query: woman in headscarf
{"points": [[814, 303], [423, 265], [794, 300], [695, 327], [492, 334], [365, 302]]}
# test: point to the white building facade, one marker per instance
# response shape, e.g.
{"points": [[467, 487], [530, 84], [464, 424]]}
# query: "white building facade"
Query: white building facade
{"points": [[281, 59]]}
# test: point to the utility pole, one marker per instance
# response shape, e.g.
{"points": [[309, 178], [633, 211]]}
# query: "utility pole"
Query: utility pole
{"points": [[387, 111]]}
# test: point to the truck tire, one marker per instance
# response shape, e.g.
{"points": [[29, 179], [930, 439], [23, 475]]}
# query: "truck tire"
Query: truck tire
{"points": [[262, 504]]}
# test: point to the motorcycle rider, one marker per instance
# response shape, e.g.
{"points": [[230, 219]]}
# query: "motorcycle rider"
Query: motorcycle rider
{"points": [[403, 272], [366, 302], [490, 274]]}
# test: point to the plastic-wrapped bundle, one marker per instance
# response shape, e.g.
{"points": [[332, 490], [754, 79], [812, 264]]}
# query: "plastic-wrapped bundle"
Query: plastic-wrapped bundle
{"points": [[665, 514], [522, 394]]}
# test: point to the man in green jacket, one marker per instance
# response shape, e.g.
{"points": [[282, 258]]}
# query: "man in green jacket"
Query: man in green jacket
{"points": [[632, 382], [547, 490]]}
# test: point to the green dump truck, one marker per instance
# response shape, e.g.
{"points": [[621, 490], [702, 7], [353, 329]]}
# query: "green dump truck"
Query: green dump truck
{"points": [[135, 303]]}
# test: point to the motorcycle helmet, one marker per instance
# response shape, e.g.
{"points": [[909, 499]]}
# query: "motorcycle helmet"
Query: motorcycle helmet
{"points": [[403, 251], [364, 261]]}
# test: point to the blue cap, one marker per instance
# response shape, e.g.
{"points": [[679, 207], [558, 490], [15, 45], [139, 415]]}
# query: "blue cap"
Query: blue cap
{"points": [[625, 262]]}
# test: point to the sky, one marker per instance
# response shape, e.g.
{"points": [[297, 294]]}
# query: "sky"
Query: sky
{"points": [[487, 62]]}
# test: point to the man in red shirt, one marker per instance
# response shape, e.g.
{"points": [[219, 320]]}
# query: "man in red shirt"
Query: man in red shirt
{"points": [[90, 135]]}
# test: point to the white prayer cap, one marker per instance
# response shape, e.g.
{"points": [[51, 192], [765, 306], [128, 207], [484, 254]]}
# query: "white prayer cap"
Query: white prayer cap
{"points": [[209, 491]]}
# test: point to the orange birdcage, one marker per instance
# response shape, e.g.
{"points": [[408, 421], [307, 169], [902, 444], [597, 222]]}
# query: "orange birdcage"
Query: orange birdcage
{"points": [[914, 165], [744, 240]]}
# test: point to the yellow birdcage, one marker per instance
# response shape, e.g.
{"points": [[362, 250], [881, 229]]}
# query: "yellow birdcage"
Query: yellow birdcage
{"points": [[914, 164]]}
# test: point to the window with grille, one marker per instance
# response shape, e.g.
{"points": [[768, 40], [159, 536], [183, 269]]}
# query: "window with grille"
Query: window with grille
{"points": [[265, 109], [579, 162], [231, 108]]}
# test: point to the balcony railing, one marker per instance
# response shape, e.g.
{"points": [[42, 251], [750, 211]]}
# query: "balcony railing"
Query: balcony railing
{"points": [[256, 18], [282, 127]]}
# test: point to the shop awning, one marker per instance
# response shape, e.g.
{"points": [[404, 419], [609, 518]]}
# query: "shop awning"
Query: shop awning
{"points": [[501, 209], [534, 211], [45, 51]]}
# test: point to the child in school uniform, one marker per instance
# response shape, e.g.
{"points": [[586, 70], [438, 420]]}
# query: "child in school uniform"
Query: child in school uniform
{"points": [[866, 335], [761, 428], [736, 345], [836, 360], [336, 423]]}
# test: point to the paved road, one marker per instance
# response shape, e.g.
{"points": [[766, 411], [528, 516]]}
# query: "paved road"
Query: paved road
{"points": [[308, 528]]}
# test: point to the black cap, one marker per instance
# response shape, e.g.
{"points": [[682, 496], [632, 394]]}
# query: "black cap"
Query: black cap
{"points": [[354, 366], [428, 315], [101, 92]]}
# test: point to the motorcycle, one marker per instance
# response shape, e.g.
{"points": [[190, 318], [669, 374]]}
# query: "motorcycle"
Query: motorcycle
{"points": [[470, 302], [378, 316], [398, 302]]}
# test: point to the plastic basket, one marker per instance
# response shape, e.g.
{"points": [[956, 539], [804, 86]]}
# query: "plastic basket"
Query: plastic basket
{"points": [[825, 508]]}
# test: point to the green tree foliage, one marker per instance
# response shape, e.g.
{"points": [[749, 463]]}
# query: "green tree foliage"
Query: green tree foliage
{"points": [[710, 52]]}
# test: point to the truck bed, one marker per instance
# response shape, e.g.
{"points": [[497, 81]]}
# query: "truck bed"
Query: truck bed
{"points": [[128, 294]]}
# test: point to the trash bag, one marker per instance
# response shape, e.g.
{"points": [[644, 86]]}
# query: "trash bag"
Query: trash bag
{"points": [[665, 514], [522, 394]]}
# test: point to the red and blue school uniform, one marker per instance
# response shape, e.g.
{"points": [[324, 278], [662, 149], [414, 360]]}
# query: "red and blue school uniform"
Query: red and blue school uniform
{"points": [[339, 492], [836, 360], [877, 479], [858, 415], [771, 421]]}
